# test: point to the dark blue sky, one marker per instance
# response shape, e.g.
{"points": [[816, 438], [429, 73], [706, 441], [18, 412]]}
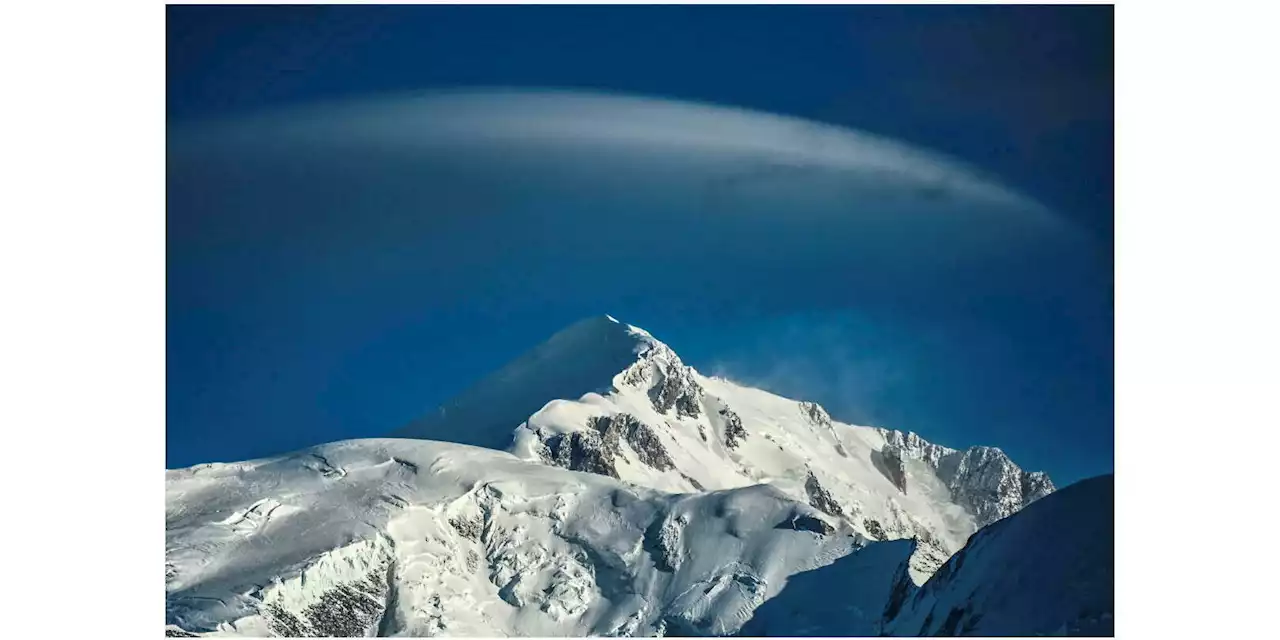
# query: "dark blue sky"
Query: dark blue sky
{"points": [[260, 363]]}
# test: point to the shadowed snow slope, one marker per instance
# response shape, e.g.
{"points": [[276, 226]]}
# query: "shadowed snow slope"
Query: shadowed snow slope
{"points": [[847, 598], [578, 360], [412, 537], [1047, 570], [606, 397]]}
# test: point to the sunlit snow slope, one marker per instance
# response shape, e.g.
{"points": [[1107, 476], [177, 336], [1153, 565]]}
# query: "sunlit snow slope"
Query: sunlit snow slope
{"points": [[410, 537]]}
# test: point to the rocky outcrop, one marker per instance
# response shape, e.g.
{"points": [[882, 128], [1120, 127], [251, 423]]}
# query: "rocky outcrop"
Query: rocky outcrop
{"points": [[587, 451], [597, 450], [642, 440], [912, 447], [734, 432], [819, 498], [821, 420], [670, 384], [345, 611], [815, 414], [987, 483], [983, 480], [676, 389]]}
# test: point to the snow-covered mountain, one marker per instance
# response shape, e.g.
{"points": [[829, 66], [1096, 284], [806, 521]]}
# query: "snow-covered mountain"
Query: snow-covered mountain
{"points": [[609, 398], [599, 486]]}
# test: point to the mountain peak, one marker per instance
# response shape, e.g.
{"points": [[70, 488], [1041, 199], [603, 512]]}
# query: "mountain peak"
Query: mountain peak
{"points": [[593, 330], [582, 358]]}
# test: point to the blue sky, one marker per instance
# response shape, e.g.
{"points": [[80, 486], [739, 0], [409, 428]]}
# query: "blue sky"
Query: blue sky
{"points": [[275, 342]]}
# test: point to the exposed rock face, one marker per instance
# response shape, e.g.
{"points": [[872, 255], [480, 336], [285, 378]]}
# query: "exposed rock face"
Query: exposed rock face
{"points": [[821, 420], [981, 479], [873, 528], [911, 446], [1035, 485], [642, 440], [734, 432], [346, 611], [662, 542], [587, 451], [819, 498], [671, 384], [677, 389], [815, 414], [597, 450], [990, 485]]}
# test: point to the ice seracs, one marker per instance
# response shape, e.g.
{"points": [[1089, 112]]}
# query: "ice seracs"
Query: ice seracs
{"points": [[429, 538]]}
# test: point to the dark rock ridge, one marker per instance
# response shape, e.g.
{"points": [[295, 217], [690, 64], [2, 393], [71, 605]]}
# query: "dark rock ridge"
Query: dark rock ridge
{"points": [[819, 418], [815, 414], [734, 432], [642, 440], [676, 389], [873, 528], [346, 611], [597, 450], [662, 542], [981, 479], [586, 451], [819, 498], [670, 384]]}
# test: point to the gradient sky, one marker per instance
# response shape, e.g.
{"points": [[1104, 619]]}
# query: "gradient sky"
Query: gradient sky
{"points": [[263, 359]]}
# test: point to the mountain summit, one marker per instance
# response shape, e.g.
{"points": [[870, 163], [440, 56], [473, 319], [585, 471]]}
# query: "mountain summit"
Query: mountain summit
{"points": [[580, 359]]}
